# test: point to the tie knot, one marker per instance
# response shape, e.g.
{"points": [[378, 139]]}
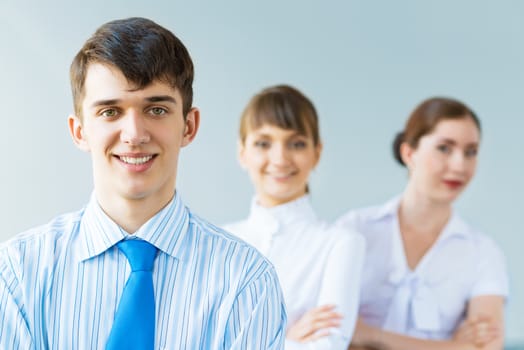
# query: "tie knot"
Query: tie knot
{"points": [[139, 253]]}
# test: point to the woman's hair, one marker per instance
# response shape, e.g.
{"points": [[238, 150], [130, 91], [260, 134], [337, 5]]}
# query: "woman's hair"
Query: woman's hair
{"points": [[282, 106], [425, 118]]}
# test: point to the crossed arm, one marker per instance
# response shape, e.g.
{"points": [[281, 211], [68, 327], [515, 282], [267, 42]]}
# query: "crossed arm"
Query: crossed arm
{"points": [[330, 324], [483, 329]]}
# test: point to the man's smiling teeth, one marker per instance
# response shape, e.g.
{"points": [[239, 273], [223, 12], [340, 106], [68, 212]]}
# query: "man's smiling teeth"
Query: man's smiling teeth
{"points": [[135, 160]]}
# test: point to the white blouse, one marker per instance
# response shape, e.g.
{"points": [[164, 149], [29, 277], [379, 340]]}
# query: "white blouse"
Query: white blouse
{"points": [[430, 301], [316, 264]]}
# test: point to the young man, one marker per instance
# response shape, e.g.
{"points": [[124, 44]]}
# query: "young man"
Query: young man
{"points": [[84, 280]]}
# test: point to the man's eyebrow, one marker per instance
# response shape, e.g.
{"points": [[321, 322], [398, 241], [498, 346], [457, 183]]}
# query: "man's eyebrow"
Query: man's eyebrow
{"points": [[110, 102], [105, 102], [161, 98]]}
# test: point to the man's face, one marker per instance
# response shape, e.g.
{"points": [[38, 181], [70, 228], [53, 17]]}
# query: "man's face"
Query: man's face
{"points": [[134, 136]]}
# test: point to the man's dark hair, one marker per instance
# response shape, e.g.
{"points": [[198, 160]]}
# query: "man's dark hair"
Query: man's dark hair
{"points": [[143, 51]]}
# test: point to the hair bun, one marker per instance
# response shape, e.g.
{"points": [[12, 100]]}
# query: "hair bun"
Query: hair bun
{"points": [[399, 138]]}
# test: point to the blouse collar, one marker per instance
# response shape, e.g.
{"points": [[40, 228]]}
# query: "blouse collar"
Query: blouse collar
{"points": [[276, 219], [455, 227]]}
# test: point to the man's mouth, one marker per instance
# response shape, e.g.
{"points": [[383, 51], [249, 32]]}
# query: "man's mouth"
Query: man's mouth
{"points": [[135, 160]]}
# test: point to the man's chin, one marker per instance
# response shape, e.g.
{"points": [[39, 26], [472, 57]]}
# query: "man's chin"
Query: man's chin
{"points": [[135, 193]]}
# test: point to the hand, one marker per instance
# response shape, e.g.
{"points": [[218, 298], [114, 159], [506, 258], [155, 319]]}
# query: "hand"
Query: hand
{"points": [[314, 324], [479, 330]]}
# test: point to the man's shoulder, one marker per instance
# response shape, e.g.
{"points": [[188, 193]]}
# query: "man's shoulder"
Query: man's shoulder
{"points": [[43, 236], [237, 228], [219, 234], [227, 245]]}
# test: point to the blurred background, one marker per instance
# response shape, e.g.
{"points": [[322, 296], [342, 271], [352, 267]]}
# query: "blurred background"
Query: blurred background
{"points": [[365, 65]]}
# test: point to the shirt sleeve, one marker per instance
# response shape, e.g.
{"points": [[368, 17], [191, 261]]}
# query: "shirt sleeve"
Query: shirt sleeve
{"points": [[340, 286], [492, 274], [14, 332], [258, 317]]}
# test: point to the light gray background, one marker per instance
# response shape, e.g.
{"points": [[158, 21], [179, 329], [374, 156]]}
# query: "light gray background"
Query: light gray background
{"points": [[365, 64]]}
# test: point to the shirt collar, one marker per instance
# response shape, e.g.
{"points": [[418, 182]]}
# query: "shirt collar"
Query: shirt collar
{"points": [[277, 217], [388, 209], [456, 227], [166, 230]]}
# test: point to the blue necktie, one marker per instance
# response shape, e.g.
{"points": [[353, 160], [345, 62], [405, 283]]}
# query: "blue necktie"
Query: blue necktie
{"points": [[134, 324]]}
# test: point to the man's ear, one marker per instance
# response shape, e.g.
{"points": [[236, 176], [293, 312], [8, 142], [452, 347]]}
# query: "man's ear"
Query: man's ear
{"points": [[76, 129], [192, 122]]}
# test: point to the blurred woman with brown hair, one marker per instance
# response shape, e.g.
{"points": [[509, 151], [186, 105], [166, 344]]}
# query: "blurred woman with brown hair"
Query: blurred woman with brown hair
{"points": [[318, 266], [430, 280]]}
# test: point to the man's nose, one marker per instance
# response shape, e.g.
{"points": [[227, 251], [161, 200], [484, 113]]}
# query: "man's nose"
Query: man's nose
{"points": [[134, 130]]}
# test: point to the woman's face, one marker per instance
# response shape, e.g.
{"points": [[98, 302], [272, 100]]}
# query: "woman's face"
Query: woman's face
{"points": [[279, 162], [444, 161]]}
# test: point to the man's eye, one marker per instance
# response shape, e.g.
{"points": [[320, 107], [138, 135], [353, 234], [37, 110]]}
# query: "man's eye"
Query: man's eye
{"points": [[158, 111], [109, 113]]}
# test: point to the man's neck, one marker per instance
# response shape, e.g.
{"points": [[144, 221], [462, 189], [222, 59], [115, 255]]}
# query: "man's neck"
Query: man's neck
{"points": [[132, 213]]}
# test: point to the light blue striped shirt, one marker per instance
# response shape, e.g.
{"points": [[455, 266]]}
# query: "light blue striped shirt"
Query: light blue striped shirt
{"points": [[60, 284]]}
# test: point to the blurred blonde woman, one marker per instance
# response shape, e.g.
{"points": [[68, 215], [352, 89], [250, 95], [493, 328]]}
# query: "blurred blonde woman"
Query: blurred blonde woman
{"points": [[318, 267], [430, 280]]}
